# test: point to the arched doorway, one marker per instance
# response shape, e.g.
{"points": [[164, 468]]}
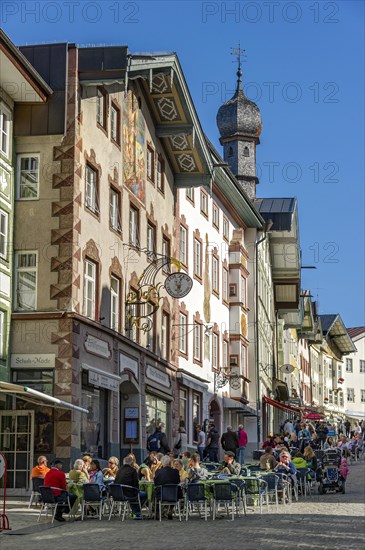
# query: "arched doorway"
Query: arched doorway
{"points": [[130, 415], [215, 414]]}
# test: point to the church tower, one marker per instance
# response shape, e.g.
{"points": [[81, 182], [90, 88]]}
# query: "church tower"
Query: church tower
{"points": [[239, 124]]}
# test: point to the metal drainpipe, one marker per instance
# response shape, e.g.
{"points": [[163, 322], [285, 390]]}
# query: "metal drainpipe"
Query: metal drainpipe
{"points": [[267, 228]]}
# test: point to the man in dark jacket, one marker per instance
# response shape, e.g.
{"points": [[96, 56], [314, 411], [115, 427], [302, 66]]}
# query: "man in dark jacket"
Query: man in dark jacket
{"points": [[229, 440], [167, 476], [212, 444], [127, 475]]}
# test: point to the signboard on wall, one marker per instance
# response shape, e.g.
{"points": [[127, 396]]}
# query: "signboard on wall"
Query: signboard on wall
{"points": [[97, 346], [157, 376], [33, 360], [103, 381]]}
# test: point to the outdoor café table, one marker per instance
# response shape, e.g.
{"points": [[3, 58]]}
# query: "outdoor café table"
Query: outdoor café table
{"points": [[208, 483], [149, 488]]}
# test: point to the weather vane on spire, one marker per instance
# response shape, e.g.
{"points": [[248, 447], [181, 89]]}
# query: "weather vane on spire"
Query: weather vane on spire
{"points": [[238, 53]]}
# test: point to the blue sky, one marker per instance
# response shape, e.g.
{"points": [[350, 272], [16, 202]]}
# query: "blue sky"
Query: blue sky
{"points": [[304, 68]]}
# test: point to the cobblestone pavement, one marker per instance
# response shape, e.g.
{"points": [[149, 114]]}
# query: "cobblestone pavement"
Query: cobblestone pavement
{"points": [[320, 521]]}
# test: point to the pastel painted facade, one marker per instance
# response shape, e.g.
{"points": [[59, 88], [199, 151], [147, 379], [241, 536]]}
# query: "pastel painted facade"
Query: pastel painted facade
{"points": [[353, 372], [20, 85]]}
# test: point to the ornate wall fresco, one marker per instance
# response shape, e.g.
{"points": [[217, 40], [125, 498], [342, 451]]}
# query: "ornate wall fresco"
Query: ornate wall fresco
{"points": [[134, 147]]}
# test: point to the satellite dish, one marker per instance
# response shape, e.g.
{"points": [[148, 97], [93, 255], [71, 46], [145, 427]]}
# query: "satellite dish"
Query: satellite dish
{"points": [[287, 368]]}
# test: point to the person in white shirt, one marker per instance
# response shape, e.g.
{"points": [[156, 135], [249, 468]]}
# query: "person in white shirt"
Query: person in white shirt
{"points": [[288, 427], [201, 441]]}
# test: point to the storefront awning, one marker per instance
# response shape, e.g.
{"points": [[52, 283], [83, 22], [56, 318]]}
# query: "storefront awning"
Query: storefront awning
{"points": [[191, 381], [237, 406], [279, 405], [37, 397], [355, 414]]}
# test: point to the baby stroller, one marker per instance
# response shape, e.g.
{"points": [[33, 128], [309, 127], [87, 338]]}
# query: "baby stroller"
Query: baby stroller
{"points": [[328, 474]]}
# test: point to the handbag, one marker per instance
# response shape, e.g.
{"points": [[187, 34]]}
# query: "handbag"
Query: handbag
{"points": [[178, 444]]}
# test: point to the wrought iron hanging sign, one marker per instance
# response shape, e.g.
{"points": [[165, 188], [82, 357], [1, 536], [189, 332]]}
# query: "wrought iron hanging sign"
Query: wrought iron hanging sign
{"points": [[145, 300]]}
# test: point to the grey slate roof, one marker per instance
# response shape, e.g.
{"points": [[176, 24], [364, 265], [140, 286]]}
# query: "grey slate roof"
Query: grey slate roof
{"points": [[279, 210]]}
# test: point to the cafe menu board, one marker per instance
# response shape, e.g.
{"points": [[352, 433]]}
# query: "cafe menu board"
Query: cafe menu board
{"points": [[131, 425]]}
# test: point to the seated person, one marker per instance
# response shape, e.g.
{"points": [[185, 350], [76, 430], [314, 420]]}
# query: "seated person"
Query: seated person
{"points": [[127, 475], [229, 464], [178, 464], [134, 464], [41, 469], [267, 460], [167, 476], [269, 441], [310, 457], [294, 441], [96, 474], [329, 443], [195, 471], [87, 460], [299, 461], [56, 479], [144, 471], [285, 466], [186, 456], [79, 473], [113, 467]]}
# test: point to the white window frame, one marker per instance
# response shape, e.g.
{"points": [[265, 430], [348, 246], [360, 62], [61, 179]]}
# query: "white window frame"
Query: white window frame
{"points": [[160, 175], [197, 257], [19, 178], [166, 251], [151, 238], [362, 366], [2, 333], [225, 228], [114, 303], [225, 354], [133, 225], [150, 336], [225, 284], [100, 108], [215, 274], [114, 210], [190, 193], [5, 130], [204, 203], [350, 393], [215, 351], [29, 270], [4, 231], [164, 335], [362, 394], [243, 290], [197, 349], [215, 216], [150, 163], [183, 244], [114, 130], [182, 333], [91, 189], [89, 307], [349, 365], [243, 360]]}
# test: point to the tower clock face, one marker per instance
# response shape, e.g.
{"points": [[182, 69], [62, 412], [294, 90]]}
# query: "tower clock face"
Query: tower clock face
{"points": [[178, 285]]}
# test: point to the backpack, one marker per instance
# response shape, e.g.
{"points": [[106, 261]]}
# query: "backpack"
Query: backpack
{"points": [[154, 441]]}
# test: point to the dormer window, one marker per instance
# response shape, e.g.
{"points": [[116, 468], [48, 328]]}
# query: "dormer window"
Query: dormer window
{"points": [[246, 152]]}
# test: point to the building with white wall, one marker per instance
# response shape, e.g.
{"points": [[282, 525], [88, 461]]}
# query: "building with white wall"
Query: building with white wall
{"points": [[354, 374]]}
